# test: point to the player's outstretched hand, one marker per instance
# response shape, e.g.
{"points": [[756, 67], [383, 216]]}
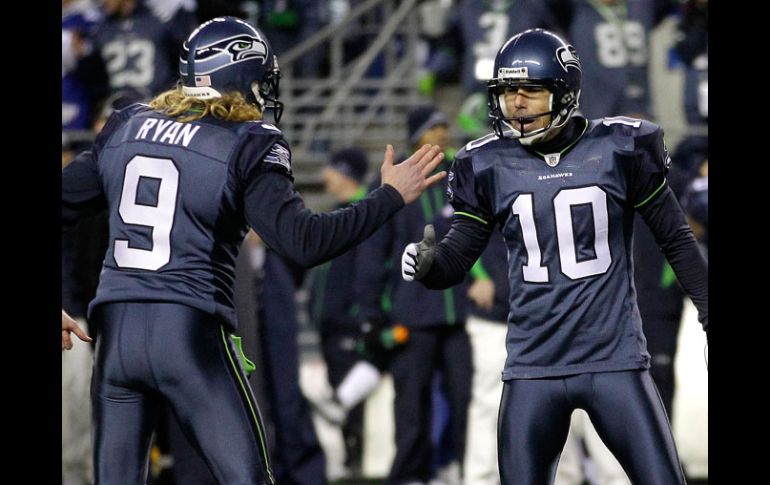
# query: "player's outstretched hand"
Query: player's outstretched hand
{"points": [[412, 176]]}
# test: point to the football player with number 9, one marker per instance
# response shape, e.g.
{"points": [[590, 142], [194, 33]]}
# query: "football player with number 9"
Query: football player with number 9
{"points": [[182, 179]]}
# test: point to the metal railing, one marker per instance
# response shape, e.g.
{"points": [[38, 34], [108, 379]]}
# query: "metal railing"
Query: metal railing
{"points": [[361, 100], [350, 105]]}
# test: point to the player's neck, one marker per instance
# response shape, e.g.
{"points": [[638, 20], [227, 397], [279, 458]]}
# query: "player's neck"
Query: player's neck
{"points": [[564, 138]]}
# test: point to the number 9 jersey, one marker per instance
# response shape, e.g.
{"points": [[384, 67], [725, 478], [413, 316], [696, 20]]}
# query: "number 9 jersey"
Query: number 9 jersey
{"points": [[181, 196], [170, 196], [567, 220]]}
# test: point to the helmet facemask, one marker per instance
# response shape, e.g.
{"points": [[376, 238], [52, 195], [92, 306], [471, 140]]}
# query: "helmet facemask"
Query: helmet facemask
{"points": [[268, 91], [561, 105]]}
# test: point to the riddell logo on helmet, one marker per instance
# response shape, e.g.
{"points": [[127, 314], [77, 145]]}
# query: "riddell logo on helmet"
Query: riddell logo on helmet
{"points": [[513, 72]]}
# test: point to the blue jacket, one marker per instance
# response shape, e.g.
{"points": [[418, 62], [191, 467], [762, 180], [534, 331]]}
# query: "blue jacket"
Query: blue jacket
{"points": [[382, 294]]}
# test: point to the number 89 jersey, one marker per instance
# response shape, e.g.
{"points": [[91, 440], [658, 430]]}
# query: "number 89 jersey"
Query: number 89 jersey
{"points": [[567, 222]]}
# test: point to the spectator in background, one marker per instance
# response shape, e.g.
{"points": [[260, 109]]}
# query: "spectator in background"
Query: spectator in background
{"points": [[487, 316], [466, 50], [289, 22], [298, 457], [474, 33], [435, 320], [331, 305], [660, 297], [78, 19], [136, 48], [612, 37], [692, 48]]}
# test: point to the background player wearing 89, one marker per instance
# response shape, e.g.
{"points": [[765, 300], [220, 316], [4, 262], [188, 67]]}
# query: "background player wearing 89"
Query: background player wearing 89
{"points": [[182, 180], [563, 191]]}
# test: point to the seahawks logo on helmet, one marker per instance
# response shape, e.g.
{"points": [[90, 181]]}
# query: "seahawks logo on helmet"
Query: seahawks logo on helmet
{"points": [[245, 47], [239, 48], [567, 56]]}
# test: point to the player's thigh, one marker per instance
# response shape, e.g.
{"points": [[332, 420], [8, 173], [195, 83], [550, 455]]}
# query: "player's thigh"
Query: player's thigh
{"points": [[533, 426]]}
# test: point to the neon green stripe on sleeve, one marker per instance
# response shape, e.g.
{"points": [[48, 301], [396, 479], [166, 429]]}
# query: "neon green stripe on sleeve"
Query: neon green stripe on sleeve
{"points": [[651, 195], [471, 216]]}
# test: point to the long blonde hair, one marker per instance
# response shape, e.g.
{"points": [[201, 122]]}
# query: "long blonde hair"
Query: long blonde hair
{"points": [[231, 106]]}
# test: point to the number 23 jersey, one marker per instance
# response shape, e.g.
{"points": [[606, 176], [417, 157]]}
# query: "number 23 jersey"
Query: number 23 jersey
{"points": [[567, 221]]}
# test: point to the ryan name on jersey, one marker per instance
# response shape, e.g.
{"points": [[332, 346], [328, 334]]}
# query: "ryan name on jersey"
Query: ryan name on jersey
{"points": [[167, 131]]}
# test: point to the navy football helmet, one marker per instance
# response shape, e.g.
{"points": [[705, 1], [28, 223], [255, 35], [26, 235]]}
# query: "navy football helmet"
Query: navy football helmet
{"points": [[227, 54], [535, 57]]}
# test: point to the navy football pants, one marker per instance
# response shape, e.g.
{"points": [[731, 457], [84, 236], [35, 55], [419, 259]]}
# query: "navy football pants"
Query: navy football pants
{"points": [[147, 353], [624, 407]]}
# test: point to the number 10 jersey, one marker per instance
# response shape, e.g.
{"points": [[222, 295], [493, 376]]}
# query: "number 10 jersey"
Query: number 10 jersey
{"points": [[567, 220]]}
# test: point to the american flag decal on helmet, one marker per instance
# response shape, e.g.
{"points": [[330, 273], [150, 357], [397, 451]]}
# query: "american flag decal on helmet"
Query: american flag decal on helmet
{"points": [[202, 81]]}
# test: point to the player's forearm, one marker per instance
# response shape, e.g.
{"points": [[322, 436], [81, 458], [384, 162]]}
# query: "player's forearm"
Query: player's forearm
{"points": [[278, 214], [457, 252], [672, 232]]}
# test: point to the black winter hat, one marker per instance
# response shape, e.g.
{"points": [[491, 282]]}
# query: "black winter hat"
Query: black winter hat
{"points": [[422, 119], [351, 161]]}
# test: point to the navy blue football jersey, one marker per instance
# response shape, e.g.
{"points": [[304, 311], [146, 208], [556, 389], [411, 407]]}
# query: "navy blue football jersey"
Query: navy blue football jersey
{"points": [[176, 220], [568, 227], [180, 197], [141, 51], [485, 26], [613, 46]]}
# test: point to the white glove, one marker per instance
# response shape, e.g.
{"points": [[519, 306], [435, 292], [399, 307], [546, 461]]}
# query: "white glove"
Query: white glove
{"points": [[418, 257]]}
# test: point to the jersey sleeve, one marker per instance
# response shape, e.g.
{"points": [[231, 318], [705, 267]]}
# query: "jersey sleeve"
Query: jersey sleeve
{"points": [[263, 149], [650, 165], [463, 193], [81, 189]]}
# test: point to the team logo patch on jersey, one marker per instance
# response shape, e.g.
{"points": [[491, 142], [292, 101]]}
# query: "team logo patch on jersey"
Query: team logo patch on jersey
{"points": [[568, 57], [513, 72], [280, 156], [552, 159]]}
